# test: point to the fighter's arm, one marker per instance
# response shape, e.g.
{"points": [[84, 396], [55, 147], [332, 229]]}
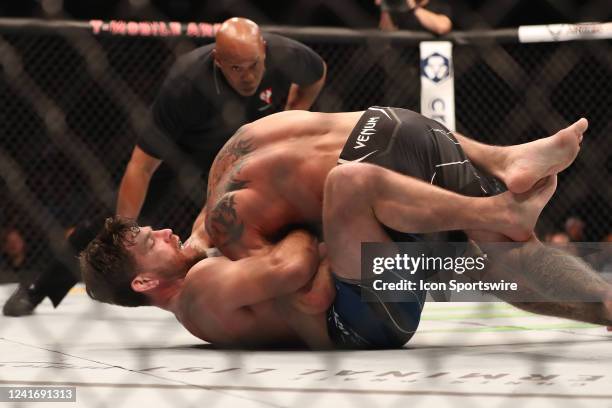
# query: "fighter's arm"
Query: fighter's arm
{"points": [[135, 183], [199, 238], [227, 286], [233, 222], [301, 97], [198, 224], [317, 295]]}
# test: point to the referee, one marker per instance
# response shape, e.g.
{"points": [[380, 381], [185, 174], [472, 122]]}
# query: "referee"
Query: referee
{"points": [[211, 92]]}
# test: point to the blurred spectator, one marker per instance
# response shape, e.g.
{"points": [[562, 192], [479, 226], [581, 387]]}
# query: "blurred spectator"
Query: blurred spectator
{"points": [[13, 253], [13, 246], [559, 238], [562, 241], [430, 15], [574, 227]]}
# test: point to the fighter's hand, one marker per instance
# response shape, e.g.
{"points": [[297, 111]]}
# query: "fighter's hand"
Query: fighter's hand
{"points": [[316, 296]]}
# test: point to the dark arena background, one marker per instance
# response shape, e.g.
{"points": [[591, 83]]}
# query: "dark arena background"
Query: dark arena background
{"points": [[78, 77], [72, 100]]}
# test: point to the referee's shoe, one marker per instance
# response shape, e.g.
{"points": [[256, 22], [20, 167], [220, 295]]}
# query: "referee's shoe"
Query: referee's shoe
{"points": [[22, 302]]}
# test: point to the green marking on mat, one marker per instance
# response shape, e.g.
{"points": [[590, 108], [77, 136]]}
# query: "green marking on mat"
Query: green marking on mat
{"points": [[465, 316], [476, 308], [554, 326]]}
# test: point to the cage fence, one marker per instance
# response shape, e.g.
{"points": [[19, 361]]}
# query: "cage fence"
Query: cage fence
{"points": [[74, 103]]}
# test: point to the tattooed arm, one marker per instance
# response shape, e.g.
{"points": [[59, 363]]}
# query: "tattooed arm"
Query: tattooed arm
{"points": [[278, 271], [230, 224]]}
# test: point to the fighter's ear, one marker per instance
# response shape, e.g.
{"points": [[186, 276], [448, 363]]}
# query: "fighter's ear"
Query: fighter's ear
{"points": [[142, 283]]}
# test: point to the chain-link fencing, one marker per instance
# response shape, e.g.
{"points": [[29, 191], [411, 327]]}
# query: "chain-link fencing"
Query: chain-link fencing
{"points": [[74, 104]]}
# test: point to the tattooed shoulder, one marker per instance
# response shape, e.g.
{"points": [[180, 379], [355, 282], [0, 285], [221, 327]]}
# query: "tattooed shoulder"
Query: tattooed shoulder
{"points": [[223, 224], [240, 145], [237, 146], [236, 184]]}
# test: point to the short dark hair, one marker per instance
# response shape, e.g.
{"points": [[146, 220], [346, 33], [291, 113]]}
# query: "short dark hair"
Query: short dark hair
{"points": [[107, 266]]}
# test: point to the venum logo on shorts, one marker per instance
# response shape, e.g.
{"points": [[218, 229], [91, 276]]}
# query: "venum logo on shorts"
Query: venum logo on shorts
{"points": [[436, 67], [369, 129]]}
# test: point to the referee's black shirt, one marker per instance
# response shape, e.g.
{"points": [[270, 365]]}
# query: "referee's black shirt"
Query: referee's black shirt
{"points": [[199, 111]]}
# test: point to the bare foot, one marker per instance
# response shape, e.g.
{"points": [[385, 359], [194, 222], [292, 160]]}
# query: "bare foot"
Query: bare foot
{"points": [[529, 162], [524, 209]]}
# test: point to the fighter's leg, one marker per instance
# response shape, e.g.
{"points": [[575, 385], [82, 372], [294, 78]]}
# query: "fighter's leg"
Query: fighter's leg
{"points": [[550, 281], [348, 216], [359, 197], [521, 166], [353, 322]]}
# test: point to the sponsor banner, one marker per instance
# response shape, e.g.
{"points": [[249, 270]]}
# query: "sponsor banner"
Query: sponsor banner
{"points": [[564, 32], [154, 28], [437, 82], [465, 271]]}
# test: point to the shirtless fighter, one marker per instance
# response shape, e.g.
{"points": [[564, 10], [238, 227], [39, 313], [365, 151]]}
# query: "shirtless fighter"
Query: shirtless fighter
{"points": [[269, 178]]}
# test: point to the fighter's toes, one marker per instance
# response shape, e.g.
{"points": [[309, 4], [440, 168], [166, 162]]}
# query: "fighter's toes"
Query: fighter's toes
{"points": [[570, 137], [581, 126]]}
